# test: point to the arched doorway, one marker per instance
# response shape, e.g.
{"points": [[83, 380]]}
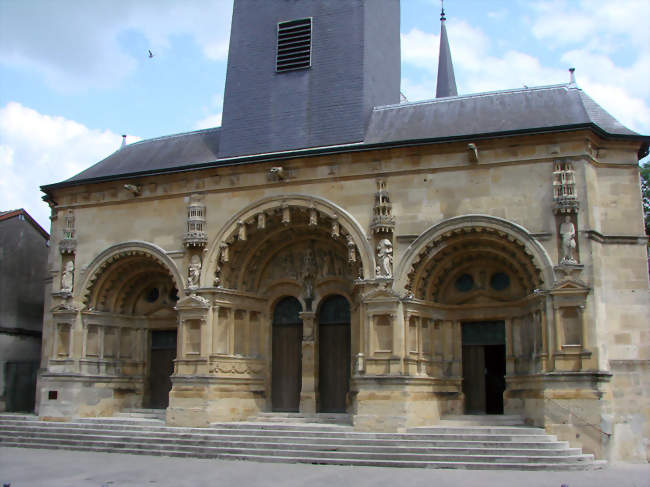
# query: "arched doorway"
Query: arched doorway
{"points": [[476, 279], [286, 381], [131, 321], [334, 354]]}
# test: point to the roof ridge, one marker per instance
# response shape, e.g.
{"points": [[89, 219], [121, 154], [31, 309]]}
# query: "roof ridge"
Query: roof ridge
{"points": [[477, 95]]}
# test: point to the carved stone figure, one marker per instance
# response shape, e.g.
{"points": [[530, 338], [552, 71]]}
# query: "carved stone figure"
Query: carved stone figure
{"points": [[568, 234], [194, 271], [67, 278], [385, 258], [313, 217], [308, 273]]}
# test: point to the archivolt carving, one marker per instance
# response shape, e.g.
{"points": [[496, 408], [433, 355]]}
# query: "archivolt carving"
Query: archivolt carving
{"points": [[300, 253], [475, 247], [242, 251], [119, 275]]}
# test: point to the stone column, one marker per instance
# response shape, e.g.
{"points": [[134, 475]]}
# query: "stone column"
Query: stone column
{"points": [[309, 391]]}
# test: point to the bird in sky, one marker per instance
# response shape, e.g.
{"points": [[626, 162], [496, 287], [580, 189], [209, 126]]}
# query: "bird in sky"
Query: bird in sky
{"points": [[150, 53]]}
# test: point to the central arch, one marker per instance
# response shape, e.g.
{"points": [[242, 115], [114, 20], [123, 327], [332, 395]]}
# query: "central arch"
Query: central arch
{"points": [[273, 216]]}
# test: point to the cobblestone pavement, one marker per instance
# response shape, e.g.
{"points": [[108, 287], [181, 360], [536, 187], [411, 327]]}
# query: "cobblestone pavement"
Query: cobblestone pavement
{"points": [[22, 467]]}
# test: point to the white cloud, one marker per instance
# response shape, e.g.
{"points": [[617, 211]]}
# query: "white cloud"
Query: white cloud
{"points": [[563, 22], [212, 113], [37, 149], [498, 14], [416, 91], [608, 44], [476, 70], [209, 122], [420, 49], [75, 44]]}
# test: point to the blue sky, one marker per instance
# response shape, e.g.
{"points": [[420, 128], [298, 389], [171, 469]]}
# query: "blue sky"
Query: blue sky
{"points": [[75, 74]]}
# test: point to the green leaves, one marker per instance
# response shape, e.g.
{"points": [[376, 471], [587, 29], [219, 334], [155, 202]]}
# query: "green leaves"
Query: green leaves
{"points": [[645, 194]]}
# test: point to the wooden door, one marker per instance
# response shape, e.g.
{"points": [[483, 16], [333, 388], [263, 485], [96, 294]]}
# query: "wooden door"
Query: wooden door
{"points": [[474, 378], [334, 355], [161, 367], [286, 380]]}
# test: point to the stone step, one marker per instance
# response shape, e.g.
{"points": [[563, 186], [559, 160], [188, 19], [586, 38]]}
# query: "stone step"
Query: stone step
{"points": [[124, 420], [142, 414], [231, 436], [434, 447], [284, 430], [481, 430], [282, 425], [482, 420], [328, 461], [447, 449], [217, 451], [293, 418]]}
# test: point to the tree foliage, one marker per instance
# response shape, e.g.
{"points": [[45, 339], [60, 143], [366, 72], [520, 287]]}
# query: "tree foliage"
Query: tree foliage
{"points": [[645, 194]]}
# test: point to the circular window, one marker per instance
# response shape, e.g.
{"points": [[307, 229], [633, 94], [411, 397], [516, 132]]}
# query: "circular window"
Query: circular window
{"points": [[465, 283], [499, 281], [152, 295]]}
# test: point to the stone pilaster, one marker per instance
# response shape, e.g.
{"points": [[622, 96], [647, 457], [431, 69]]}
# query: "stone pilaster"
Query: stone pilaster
{"points": [[309, 391]]}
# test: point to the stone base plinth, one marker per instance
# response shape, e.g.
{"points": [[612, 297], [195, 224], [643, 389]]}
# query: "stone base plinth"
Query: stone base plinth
{"points": [[67, 396], [390, 404], [199, 401]]}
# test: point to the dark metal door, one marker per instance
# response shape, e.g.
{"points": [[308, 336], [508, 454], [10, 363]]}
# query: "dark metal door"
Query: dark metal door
{"points": [[20, 385], [161, 367], [334, 355], [286, 380]]}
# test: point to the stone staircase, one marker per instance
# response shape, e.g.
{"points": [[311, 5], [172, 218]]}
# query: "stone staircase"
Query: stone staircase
{"points": [[295, 438]]}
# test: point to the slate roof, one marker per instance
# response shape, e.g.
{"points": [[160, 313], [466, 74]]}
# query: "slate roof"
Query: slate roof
{"points": [[499, 113], [156, 155], [526, 110]]}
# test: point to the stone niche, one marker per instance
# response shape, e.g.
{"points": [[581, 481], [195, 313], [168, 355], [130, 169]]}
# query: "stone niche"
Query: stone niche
{"points": [[570, 351]]}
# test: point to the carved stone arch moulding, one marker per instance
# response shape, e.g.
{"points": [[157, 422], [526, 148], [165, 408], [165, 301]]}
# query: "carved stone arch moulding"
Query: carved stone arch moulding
{"points": [[281, 215], [429, 262], [96, 274]]}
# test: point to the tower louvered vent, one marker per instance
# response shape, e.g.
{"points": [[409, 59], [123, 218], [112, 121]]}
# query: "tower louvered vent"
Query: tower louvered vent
{"points": [[294, 45]]}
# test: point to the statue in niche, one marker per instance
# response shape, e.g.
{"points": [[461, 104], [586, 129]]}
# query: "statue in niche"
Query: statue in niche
{"points": [[308, 274], [384, 258], [67, 278], [194, 271], [568, 235]]}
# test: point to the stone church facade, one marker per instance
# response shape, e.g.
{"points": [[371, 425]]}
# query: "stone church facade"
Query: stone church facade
{"points": [[330, 249]]}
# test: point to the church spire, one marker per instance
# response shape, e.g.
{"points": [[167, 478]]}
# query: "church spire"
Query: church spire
{"points": [[446, 80]]}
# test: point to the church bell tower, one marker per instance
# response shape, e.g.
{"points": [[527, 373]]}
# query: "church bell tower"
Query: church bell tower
{"points": [[307, 73]]}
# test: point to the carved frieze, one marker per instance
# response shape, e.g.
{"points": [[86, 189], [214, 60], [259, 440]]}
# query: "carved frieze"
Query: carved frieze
{"points": [[236, 367]]}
